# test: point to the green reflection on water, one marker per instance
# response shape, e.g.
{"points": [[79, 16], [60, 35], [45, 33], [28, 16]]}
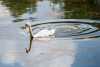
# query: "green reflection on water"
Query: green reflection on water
{"points": [[19, 7], [70, 8]]}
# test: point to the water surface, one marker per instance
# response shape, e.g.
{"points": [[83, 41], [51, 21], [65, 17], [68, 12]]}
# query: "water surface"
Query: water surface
{"points": [[74, 44]]}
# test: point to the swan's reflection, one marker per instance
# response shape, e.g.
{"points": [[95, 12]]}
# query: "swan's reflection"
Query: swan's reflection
{"points": [[30, 45]]}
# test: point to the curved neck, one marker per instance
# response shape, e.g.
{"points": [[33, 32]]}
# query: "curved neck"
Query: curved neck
{"points": [[30, 32]]}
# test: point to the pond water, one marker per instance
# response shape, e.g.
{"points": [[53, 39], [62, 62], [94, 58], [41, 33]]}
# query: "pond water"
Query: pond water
{"points": [[75, 42]]}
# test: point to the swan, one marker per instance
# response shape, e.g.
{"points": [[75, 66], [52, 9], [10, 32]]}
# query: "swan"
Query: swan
{"points": [[42, 33]]}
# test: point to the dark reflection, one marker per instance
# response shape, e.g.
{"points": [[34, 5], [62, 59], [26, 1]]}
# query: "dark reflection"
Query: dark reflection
{"points": [[30, 45], [19, 7], [96, 25], [81, 9], [67, 8]]}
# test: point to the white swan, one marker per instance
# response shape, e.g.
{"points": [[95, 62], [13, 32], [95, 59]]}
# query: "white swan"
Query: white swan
{"points": [[42, 33]]}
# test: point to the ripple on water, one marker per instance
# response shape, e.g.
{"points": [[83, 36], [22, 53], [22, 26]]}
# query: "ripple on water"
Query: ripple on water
{"points": [[71, 29]]}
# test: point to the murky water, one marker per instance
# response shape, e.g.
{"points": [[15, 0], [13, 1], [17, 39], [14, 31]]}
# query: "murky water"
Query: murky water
{"points": [[75, 42]]}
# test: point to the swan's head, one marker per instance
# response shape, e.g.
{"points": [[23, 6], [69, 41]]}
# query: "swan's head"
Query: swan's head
{"points": [[27, 27], [27, 24]]}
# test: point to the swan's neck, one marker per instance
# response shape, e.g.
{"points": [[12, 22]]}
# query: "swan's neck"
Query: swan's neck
{"points": [[30, 32]]}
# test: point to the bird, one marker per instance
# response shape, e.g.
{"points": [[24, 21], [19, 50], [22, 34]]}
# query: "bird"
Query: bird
{"points": [[41, 33]]}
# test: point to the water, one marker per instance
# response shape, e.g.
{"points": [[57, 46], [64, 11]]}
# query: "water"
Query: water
{"points": [[75, 42]]}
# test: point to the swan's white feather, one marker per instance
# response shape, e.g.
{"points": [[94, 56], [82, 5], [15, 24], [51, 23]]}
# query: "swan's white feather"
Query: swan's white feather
{"points": [[44, 33]]}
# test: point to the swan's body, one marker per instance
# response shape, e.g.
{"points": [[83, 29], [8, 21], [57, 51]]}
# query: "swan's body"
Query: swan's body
{"points": [[42, 33]]}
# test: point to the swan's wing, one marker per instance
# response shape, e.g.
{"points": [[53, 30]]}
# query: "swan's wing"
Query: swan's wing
{"points": [[42, 33]]}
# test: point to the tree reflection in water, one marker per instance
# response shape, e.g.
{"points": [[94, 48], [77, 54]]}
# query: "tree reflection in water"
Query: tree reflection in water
{"points": [[69, 8], [19, 7]]}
